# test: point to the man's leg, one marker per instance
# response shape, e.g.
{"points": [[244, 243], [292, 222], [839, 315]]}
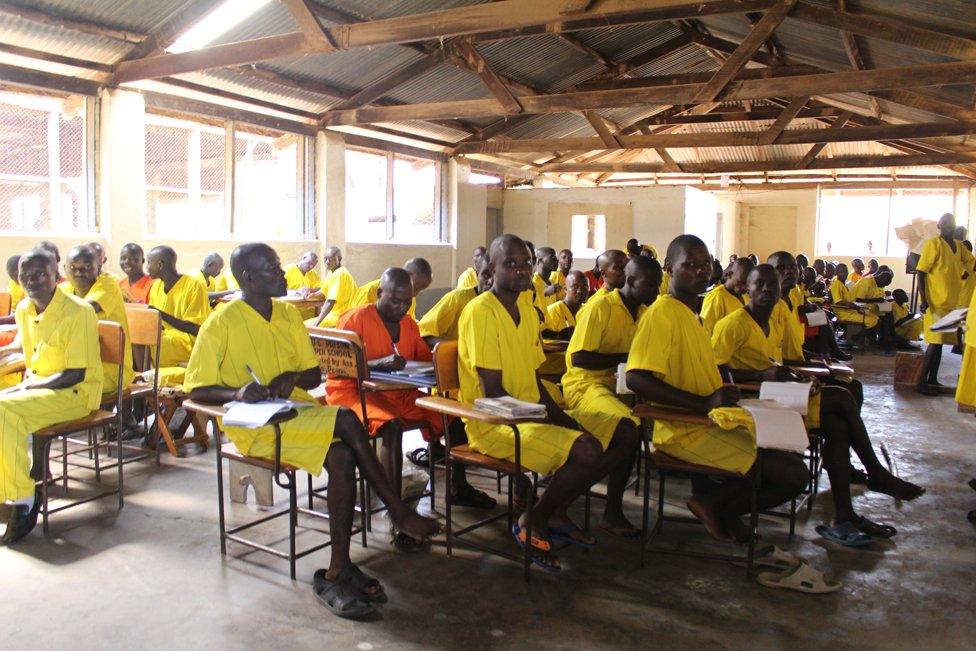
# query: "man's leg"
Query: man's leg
{"points": [[783, 477], [391, 433], [930, 367], [622, 452], [576, 475], [837, 461], [340, 463], [350, 431]]}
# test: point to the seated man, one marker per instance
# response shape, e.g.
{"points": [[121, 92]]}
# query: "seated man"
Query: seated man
{"points": [[727, 297], [560, 320], [303, 278], [870, 289], [498, 353], [558, 277], [593, 279], [420, 275], [469, 277], [842, 302], [339, 288], [386, 329], [183, 305], [13, 287], [544, 294], [907, 325], [747, 348], [102, 257], [671, 363], [213, 265], [612, 264], [858, 265], [105, 296], [259, 334], [441, 321], [59, 336], [600, 342], [136, 283]]}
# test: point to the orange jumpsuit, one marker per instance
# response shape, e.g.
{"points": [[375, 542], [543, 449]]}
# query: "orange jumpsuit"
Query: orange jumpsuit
{"points": [[384, 406]]}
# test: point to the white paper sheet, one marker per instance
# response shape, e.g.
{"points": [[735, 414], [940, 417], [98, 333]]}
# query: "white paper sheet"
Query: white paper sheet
{"points": [[256, 414], [816, 318], [792, 395], [777, 428], [951, 320], [884, 307]]}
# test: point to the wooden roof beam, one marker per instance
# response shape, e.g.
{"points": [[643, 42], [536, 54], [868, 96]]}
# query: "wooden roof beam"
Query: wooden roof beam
{"points": [[814, 151], [742, 54], [580, 46], [381, 87], [853, 51], [959, 72], [172, 29], [600, 126], [769, 136], [473, 60], [24, 11], [315, 34], [851, 162]]}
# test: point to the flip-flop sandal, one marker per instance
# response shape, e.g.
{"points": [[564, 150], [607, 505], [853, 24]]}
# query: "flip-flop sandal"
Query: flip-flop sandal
{"points": [[473, 498], [363, 582], [874, 529], [421, 457], [773, 557], [626, 533], [404, 543], [845, 533], [537, 544], [341, 597], [858, 476], [802, 579], [564, 533]]}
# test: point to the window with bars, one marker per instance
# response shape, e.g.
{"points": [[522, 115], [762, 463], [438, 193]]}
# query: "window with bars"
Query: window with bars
{"points": [[45, 155], [392, 197], [208, 180], [862, 222]]}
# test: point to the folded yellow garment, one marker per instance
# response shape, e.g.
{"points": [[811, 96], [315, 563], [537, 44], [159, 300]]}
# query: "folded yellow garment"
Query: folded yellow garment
{"points": [[732, 418]]}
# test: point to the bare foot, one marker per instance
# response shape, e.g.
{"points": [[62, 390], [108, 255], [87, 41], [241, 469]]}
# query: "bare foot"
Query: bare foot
{"points": [[704, 512], [617, 525], [897, 488], [416, 526]]}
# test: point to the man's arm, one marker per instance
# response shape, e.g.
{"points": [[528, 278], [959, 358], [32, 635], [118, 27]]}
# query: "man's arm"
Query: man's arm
{"points": [[324, 312], [555, 413], [188, 327], [592, 361], [923, 301], [649, 387], [284, 384], [774, 373], [63, 380], [217, 395]]}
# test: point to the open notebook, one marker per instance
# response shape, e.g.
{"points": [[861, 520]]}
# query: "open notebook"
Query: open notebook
{"points": [[257, 414], [778, 415]]}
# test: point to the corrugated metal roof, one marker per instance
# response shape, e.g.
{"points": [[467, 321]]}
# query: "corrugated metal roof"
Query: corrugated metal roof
{"points": [[143, 16], [625, 41], [543, 61], [374, 9], [441, 84], [48, 38]]}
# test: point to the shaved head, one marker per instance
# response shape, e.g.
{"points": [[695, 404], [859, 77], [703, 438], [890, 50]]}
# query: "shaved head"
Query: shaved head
{"points": [[511, 264], [681, 245], [257, 269], [165, 254], [612, 268], [51, 248], [395, 294], [420, 272], [13, 262]]}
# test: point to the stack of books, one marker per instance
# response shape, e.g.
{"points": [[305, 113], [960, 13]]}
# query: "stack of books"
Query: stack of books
{"points": [[509, 407]]}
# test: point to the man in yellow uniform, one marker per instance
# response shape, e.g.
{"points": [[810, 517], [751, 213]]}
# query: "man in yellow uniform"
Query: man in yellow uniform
{"points": [[611, 264], [208, 275], [104, 294], [842, 303], [544, 294], [871, 290], [558, 277], [440, 323], [182, 303], [59, 336], [303, 278], [226, 282], [420, 275], [726, 297], [600, 342], [498, 353], [941, 270], [339, 288], [469, 277], [746, 348], [268, 336], [102, 257], [13, 287], [907, 325], [560, 320], [671, 363], [858, 273]]}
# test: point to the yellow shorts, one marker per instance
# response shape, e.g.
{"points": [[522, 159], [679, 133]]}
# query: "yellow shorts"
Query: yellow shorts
{"points": [[305, 439], [733, 450], [175, 348], [930, 337], [545, 447], [854, 317]]}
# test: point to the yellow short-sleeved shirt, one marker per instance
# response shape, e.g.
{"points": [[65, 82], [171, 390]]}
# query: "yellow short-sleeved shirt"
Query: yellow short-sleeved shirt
{"points": [[557, 277], [338, 286], [297, 280], [606, 327], [718, 303], [187, 300], [943, 268], [559, 317], [539, 285], [210, 283], [443, 319], [867, 287], [107, 293], [489, 338], [63, 336], [368, 293], [16, 293], [740, 343], [787, 322], [797, 297], [225, 282], [672, 343], [467, 279], [665, 285]]}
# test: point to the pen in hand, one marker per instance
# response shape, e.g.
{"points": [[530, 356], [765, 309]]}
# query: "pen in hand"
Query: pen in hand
{"points": [[254, 376]]}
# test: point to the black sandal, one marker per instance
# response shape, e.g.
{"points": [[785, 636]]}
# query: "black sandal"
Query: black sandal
{"points": [[471, 497], [341, 597], [404, 543], [370, 589], [874, 529]]}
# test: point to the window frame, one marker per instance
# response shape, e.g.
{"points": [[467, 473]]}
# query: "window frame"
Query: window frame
{"points": [[439, 226], [90, 144], [304, 177]]}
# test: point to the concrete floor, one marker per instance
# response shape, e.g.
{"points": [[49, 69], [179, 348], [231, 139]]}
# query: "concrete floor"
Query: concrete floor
{"points": [[151, 576]]}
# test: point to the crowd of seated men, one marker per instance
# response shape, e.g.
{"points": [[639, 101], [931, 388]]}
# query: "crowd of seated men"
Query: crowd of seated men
{"points": [[683, 327]]}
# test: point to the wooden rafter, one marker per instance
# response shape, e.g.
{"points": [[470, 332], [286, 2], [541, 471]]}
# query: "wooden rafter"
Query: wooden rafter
{"points": [[579, 45], [738, 139], [495, 85], [600, 126], [814, 151], [379, 88], [22, 10], [316, 35], [742, 54], [958, 72], [852, 162], [788, 114], [175, 25], [854, 55]]}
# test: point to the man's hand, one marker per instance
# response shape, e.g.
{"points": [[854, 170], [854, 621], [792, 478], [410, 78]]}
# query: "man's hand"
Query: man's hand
{"points": [[552, 289], [252, 392], [283, 385], [725, 396], [396, 364], [778, 374]]}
